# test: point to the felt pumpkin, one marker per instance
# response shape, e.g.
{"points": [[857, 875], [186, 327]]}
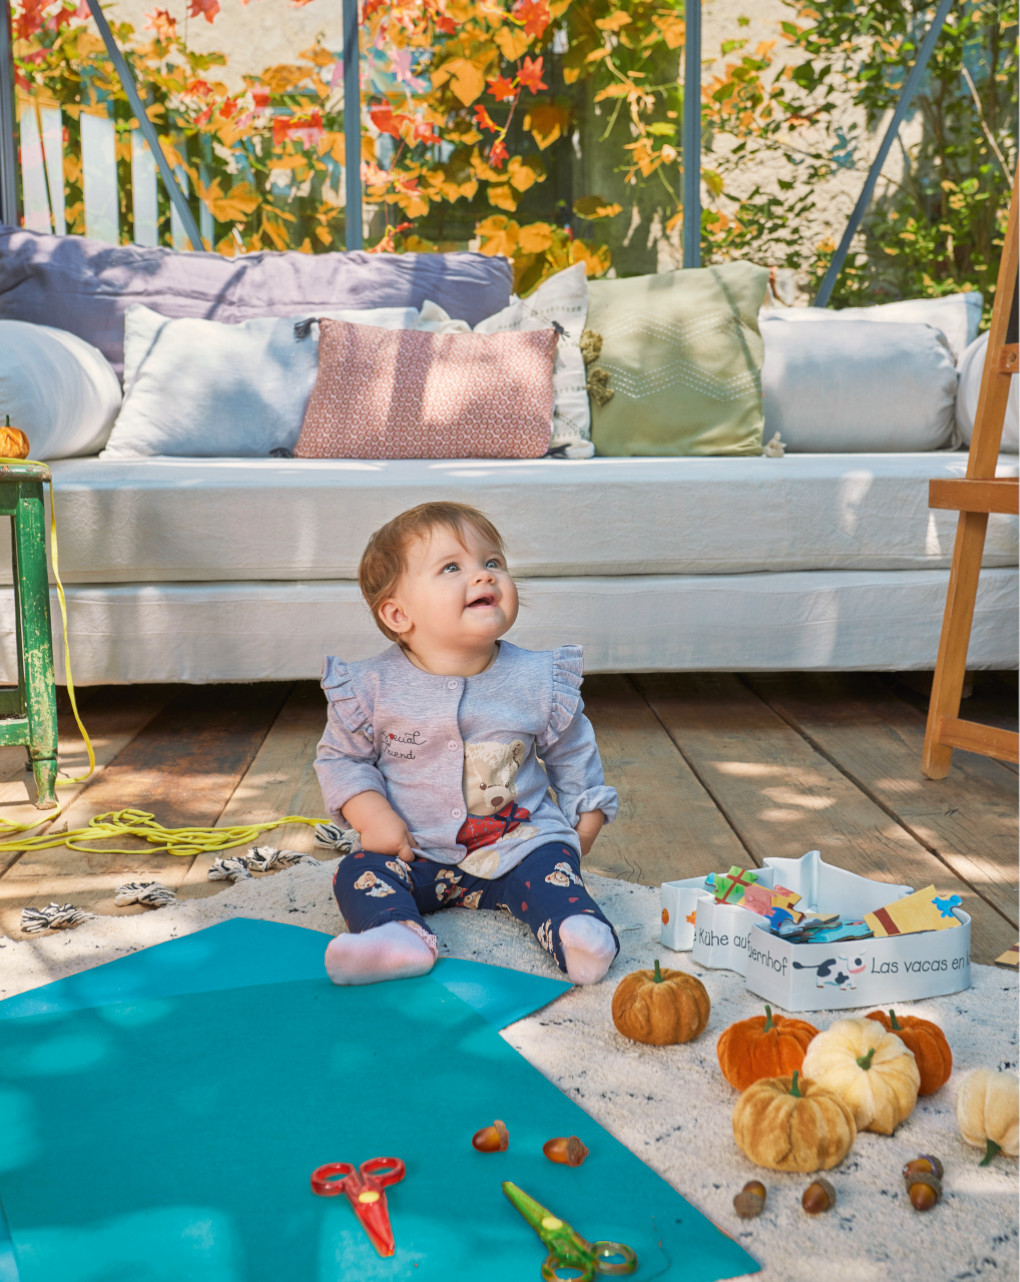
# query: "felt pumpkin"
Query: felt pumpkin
{"points": [[928, 1043], [987, 1108], [764, 1046], [869, 1069], [13, 441], [660, 1007], [792, 1124]]}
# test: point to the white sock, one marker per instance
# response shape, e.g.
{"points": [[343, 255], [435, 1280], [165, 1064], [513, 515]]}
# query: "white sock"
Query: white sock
{"points": [[588, 948], [394, 950]]}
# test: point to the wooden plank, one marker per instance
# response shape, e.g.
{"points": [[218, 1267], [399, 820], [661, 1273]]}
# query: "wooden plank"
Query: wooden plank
{"points": [[784, 797], [969, 819], [112, 715], [957, 494], [183, 767], [668, 827], [280, 781]]}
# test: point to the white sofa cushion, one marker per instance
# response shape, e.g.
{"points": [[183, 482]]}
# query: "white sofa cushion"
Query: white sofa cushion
{"points": [[61, 391], [971, 368], [852, 620], [208, 520], [956, 315], [853, 386]]}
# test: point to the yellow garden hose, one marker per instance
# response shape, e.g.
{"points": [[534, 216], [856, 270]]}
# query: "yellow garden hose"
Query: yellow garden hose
{"points": [[122, 823]]}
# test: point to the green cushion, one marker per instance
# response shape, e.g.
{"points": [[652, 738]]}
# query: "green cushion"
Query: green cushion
{"points": [[683, 353]]}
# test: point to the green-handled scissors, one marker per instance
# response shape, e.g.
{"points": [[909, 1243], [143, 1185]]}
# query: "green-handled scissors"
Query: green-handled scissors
{"points": [[567, 1249]]}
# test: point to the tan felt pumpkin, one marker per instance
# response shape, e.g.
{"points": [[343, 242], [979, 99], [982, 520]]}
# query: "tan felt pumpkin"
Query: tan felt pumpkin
{"points": [[764, 1046], [928, 1043], [660, 1007], [987, 1110], [792, 1124], [869, 1069]]}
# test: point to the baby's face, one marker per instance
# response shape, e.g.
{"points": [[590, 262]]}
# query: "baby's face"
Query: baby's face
{"points": [[455, 593]]}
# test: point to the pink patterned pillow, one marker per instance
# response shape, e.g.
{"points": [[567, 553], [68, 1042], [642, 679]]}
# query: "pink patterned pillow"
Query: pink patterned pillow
{"points": [[403, 393]]}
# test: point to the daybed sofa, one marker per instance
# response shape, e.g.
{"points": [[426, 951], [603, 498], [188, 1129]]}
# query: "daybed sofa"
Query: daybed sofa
{"points": [[227, 568]]}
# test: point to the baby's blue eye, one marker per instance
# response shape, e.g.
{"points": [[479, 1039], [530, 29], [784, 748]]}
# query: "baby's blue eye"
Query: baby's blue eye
{"points": [[450, 565], [494, 563]]}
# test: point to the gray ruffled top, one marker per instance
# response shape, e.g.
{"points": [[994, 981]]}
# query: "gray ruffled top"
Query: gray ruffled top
{"points": [[461, 758]]}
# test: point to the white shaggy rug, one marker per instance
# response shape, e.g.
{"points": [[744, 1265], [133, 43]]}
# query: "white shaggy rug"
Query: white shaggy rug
{"points": [[671, 1105]]}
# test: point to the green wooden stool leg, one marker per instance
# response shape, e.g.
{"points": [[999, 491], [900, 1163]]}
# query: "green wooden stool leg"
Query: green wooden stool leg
{"points": [[36, 640]]}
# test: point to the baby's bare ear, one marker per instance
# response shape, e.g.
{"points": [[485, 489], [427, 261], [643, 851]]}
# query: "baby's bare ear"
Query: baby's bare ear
{"points": [[393, 616]]}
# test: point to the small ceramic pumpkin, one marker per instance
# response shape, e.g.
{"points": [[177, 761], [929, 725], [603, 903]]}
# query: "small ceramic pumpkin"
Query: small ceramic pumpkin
{"points": [[928, 1043], [792, 1124], [13, 441], [869, 1069], [987, 1109], [764, 1046], [660, 1007]]}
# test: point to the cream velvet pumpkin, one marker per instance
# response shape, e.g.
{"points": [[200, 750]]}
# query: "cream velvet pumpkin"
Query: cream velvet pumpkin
{"points": [[987, 1111], [869, 1069]]}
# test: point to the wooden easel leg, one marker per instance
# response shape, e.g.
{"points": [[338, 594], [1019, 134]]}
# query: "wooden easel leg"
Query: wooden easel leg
{"points": [[951, 666]]}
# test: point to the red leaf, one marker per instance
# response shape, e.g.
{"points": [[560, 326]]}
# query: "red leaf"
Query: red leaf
{"points": [[530, 74], [385, 119], [484, 120], [501, 88], [498, 154], [207, 9], [535, 16]]}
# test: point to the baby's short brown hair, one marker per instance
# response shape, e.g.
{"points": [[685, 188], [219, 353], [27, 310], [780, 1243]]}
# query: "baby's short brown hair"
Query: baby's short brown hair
{"points": [[385, 557]]}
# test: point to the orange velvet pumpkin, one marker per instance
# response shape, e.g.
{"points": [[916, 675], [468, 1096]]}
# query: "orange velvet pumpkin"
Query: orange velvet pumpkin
{"points": [[660, 1007], [13, 441], [764, 1046], [928, 1043]]}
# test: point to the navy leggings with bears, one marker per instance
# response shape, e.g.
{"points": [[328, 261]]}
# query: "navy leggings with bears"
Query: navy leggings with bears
{"points": [[542, 891]]}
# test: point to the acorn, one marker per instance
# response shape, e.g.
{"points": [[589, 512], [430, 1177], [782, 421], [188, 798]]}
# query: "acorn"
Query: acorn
{"points": [[924, 1191], [567, 1150], [924, 1164], [491, 1139], [750, 1201], [818, 1197]]}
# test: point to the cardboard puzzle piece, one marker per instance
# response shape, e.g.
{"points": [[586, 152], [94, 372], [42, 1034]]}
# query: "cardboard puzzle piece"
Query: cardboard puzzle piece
{"points": [[730, 887], [762, 899], [923, 910], [1011, 957]]}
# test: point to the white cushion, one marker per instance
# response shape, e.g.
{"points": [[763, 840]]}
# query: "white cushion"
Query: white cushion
{"points": [[854, 386], [205, 389], [561, 301], [956, 315], [971, 367], [207, 520], [61, 391]]}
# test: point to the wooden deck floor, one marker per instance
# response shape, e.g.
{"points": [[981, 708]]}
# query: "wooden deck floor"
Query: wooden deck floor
{"points": [[711, 770]]}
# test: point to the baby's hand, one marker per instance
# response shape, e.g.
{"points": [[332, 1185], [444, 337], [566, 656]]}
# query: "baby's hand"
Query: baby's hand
{"points": [[380, 827], [588, 827]]}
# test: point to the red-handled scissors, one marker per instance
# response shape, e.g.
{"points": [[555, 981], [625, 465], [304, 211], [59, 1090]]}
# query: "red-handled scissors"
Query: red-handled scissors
{"points": [[364, 1188]]}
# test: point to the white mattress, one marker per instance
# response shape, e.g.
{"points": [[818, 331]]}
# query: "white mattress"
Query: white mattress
{"points": [[845, 620], [163, 520]]}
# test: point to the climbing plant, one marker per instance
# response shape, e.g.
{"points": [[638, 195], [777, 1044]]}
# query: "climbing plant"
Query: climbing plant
{"points": [[548, 130]]}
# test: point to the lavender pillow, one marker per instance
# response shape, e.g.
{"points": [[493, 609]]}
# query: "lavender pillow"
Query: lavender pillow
{"points": [[85, 286]]}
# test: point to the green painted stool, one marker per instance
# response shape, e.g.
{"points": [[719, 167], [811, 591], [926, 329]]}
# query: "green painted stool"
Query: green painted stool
{"points": [[28, 715]]}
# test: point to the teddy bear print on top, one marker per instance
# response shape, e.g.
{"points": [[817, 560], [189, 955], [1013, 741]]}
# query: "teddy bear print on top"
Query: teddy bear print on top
{"points": [[490, 786]]}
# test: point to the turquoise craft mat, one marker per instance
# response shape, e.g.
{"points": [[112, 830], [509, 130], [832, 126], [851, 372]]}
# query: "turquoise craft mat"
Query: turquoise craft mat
{"points": [[243, 953], [160, 1139]]}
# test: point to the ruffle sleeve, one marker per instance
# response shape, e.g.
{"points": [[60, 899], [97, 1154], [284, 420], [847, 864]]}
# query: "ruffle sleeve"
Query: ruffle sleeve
{"points": [[339, 689], [567, 673]]}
